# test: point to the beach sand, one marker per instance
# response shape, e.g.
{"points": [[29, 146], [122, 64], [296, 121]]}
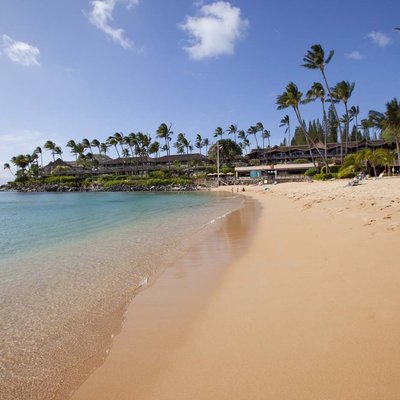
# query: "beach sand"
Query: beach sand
{"points": [[309, 309]]}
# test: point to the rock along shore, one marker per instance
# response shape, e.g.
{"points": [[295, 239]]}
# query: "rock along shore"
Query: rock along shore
{"points": [[117, 188]]}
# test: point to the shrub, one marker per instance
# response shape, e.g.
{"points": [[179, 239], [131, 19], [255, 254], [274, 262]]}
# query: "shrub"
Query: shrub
{"points": [[346, 172], [332, 169], [300, 161], [157, 174], [322, 177], [66, 180], [311, 172]]}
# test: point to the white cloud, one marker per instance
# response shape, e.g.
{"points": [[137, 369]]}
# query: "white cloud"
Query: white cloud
{"points": [[101, 14], [379, 38], [214, 31], [354, 55], [20, 52]]}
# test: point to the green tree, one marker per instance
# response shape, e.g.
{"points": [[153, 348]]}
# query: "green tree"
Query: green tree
{"points": [[292, 97], [315, 59], [228, 151], [342, 92], [389, 123]]}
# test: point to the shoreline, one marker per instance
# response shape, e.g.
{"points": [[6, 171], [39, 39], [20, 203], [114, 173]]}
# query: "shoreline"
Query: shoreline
{"points": [[176, 293], [308, 311]]}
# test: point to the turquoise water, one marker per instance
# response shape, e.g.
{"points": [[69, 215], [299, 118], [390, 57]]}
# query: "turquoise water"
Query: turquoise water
{"points": [[70, 262]]}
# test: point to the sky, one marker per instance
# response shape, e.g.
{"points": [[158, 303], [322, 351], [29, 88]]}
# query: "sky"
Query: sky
{"points": [[90, 68]]}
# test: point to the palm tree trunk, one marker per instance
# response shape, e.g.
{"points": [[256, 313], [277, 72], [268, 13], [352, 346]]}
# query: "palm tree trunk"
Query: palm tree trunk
{"points": [[347, 126], [336, 114], [326, 134], [298, 115]]}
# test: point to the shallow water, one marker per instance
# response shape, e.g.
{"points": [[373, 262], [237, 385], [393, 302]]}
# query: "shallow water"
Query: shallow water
{"points": [[70, 263]]}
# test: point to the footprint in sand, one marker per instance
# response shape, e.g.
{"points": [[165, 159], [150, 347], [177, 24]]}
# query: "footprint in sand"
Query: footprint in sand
{"points": [[370, 222]]}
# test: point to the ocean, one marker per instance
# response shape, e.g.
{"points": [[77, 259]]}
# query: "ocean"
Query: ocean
{"points": [[69, 265]]}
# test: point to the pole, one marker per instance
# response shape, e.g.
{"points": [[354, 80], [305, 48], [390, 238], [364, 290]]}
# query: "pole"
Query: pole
{"points": [[218, 163]]}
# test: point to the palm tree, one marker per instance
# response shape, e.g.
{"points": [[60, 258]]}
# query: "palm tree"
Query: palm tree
{"points": [[218, 132], [86, 144], [354, 112], [232, 130], [260, 128], [266, 135], [119, 137], [199, 142], [342, 92], [104, 148], [317, 91], [96, 143], [206, 143], [74, 148], [315, 59], [112, 141], [58, 151], [38, 150], [292, 97], [245, 142], [165, 132], [285, 121], [49, 145], [253, 131], [154, 148], [7, 166], [389, 123]]}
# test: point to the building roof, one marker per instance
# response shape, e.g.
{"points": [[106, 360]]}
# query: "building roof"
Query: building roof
{"points": [[277, 167]]}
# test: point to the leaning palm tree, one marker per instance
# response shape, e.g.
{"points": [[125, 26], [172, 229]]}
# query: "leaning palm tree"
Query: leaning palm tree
{"points": [[315, 59], [50, 145], [7, 166], [292, 97], [95, 143], [58, 151], [86, 144], [253, 131], [389, 123], [112, 141], [285, 121], [317, 91]]}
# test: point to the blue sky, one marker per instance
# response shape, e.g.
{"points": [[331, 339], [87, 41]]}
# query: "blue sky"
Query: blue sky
{"points": [[84, 68]]}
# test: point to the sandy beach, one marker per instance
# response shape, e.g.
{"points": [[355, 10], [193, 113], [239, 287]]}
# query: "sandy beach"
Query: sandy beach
{"points": [[308, 309]]}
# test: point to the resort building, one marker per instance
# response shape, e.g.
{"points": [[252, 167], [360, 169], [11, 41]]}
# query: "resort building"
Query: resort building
{"points": [[271, 173], [287, 154], [130, 165]]}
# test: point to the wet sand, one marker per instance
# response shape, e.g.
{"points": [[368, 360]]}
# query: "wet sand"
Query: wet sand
{"points": [[310, 309]]}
